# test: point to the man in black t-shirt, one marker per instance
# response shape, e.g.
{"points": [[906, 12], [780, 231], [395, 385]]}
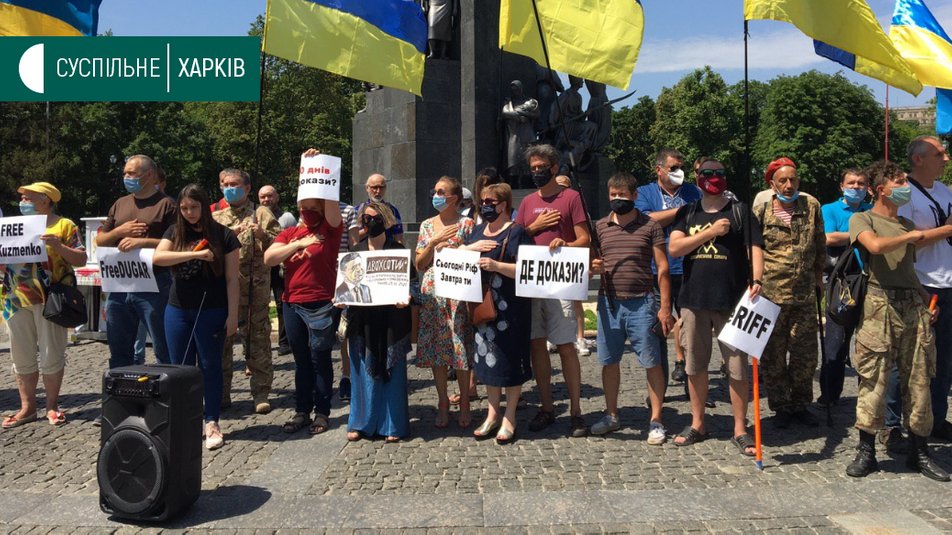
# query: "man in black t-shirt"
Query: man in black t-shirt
{"points": [[709, 234]]}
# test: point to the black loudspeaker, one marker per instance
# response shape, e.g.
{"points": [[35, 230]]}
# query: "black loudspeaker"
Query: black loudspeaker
{"points": [[150, 459]]}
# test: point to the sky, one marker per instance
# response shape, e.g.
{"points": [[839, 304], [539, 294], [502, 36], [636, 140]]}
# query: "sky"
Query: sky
{"points": [[680, 35]]}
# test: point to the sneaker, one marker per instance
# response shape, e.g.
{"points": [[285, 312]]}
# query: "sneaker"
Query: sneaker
{"points": [[582, 348], [541, 420], [213, 436], [607, 424], [657, 434], [343, 389], [577, 427], [678, 375], [262, 406]]}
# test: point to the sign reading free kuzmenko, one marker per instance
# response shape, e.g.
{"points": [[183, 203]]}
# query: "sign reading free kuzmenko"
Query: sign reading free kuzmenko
{"points": [[20, 241], [559, 274], [320, 177]]}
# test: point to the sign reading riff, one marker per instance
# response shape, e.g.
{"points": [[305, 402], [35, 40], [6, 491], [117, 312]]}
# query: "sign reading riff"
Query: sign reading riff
{"points": [[370, 278], [129, 271], [320, 178], [20, 241], [749, 327], [456, 275], [559, 274]]}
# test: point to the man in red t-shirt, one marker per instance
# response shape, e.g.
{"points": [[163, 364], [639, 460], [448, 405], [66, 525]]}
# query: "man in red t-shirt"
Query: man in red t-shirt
{"points": [[554, 217]]}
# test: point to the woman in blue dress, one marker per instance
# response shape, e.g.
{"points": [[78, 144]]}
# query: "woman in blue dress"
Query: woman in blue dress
{"points": [[502, 345]]}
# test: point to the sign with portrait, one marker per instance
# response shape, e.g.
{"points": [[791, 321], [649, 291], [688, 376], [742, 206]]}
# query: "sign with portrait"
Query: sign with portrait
{"points": [[370, 278]]}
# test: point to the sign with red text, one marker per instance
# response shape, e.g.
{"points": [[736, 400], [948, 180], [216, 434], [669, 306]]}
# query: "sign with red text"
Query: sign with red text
{"points": [[129, 271], [20, 241], [749, 327], [558, 274], [320, 178]]}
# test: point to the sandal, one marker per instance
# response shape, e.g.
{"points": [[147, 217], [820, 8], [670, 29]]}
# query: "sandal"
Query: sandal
{"points": [[743, 442], [320, 424], [12, 421], [465, 417], [56, 418], [456, 398], [392, 439], [354, 436], [690, 436], [296, 423]]}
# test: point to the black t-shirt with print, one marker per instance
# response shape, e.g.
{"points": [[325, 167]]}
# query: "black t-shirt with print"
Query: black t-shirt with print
{"points": [[715, 274], [193, 279]]}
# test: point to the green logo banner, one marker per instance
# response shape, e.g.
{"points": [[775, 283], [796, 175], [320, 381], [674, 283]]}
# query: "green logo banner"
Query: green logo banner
{"points": [[147, 69]]}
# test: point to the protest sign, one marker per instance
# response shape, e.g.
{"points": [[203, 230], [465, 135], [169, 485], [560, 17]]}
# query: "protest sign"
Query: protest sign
{"points": [[749, 327], [371, 278], [456, 275], [20, 241], [320, 178], [559, 274], [129, 271]]}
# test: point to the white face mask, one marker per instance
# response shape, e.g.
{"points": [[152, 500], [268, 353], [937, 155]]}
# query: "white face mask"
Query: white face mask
{"points": [[676, 177]]}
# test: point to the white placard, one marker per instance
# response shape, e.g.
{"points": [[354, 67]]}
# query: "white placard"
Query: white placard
{"points": [[129, 271], [456, 275], [749, 327], [320, 178], [559, 274], [370, 278], [20, 241]]}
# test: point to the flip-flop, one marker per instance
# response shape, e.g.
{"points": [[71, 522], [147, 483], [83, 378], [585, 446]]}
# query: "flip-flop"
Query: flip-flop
{"points": [[56, 418], [743, 442], [691, 436], [12, 421]]}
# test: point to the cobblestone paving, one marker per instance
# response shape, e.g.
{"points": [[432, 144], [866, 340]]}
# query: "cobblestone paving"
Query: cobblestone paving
{"points": [[59, 463]]}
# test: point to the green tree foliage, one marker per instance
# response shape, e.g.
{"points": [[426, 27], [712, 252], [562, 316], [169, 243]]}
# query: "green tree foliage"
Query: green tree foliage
{"points": [[630, 146]]}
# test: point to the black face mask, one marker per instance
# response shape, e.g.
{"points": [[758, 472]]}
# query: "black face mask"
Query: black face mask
{"points": [[541, 178], [622, 206], [488, 213], [375, 227]]}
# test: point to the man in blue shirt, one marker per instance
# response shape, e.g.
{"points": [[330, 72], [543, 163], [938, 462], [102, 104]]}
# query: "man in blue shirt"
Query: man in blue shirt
{"points": [[836, 220], [660, 201]]}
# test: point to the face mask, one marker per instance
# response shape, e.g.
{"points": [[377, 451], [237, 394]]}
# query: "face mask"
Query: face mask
{"points": [[233, 194], [375, 227], [714, 185], [854, 196], [439, 203], [488, 213], [133, 185], [676, 177], [622, 206], [787, 200], [27, 208], [541, 178], [900, 195], [311, 218]]}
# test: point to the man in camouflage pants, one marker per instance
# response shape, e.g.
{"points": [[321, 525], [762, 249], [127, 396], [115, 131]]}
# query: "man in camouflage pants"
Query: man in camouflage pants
{"points": [[257, 227], [895, 327], [794, 256]]}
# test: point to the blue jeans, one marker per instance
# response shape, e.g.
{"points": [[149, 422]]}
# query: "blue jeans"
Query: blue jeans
{"points": [[209, 339], [632, 320], [139, 346], [310, 328], [124, 311]]}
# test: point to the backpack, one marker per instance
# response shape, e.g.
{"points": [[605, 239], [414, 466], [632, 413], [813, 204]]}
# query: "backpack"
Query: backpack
{"points": [[846, 287]]}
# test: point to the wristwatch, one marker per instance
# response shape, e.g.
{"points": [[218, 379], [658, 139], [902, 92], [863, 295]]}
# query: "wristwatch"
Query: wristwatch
{"points": [[758, 281]]}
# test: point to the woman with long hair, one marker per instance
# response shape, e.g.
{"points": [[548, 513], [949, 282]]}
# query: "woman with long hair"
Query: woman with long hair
{"points": [[203, 299]]}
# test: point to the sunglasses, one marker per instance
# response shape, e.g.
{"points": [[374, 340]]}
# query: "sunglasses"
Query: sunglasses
{"points": [[489, 202], [708, 173]]}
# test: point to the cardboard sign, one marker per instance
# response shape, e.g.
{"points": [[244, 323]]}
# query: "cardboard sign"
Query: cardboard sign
{"points": [[371, 278], [20, 241], [750, 326], [320, 178], [456, 275], [559, 274], [129, 271]]}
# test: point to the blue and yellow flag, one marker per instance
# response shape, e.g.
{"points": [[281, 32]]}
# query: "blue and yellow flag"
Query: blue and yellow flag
{"points": [[49, 17], [378, 41], [922, 42], [597, 40], [847, 25]]}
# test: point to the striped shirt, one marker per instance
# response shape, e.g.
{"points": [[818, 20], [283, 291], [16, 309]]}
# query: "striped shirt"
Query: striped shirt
{"points": [[627, 252]]}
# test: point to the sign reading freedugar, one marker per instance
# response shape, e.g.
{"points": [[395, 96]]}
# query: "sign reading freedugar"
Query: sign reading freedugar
{"points": [[144, 69], [129, 271]]}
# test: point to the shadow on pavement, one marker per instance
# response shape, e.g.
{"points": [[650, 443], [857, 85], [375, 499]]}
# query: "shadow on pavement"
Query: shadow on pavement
{"points": [[221, 503]]}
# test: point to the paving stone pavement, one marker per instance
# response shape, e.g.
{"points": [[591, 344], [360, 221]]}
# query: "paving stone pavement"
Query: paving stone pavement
{"points": [[443, 481]]}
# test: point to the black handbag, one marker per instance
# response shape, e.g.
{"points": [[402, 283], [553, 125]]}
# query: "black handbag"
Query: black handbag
{"points": [[65, 304]]}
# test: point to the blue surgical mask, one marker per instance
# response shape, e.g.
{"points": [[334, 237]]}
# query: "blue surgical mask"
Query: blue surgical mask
{"points": [[787, 200], [133, 185], [439, 203], [27, 208], [900, 195], [854, 196], [233, 194]]}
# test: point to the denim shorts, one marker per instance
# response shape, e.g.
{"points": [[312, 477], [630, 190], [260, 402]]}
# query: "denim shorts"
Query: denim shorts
{"points": [[632, 319]]}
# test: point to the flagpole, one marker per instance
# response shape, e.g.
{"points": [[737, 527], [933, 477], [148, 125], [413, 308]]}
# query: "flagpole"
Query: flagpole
{"points": [[886, 133]]}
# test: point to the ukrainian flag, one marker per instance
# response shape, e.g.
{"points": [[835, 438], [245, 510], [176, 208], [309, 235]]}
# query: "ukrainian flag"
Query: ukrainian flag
{"points": [[849, 28], [378, 41], [922, 42], [49, 17], [597, 40]]}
